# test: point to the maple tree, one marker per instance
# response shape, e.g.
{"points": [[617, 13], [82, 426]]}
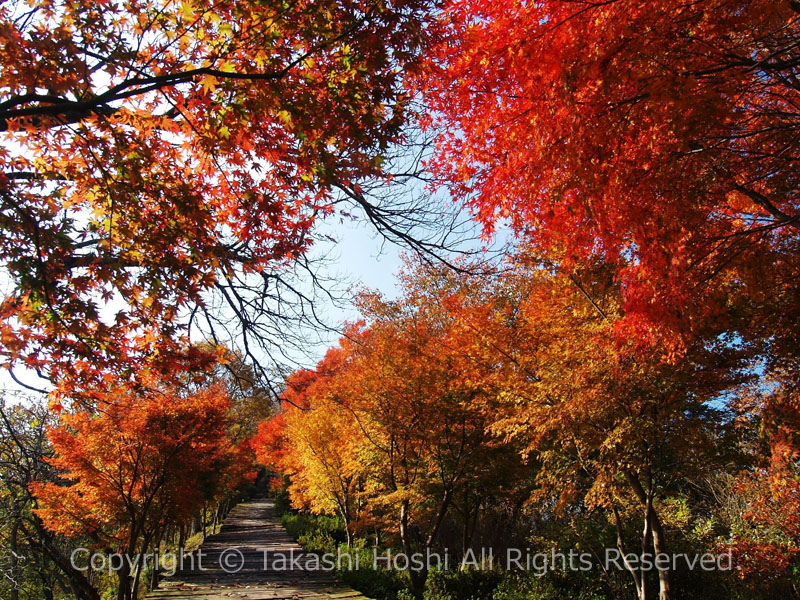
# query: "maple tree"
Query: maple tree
{"points": [[765, 540], [35, 561], [268, 443], [164, 169], [421, 403], [659, 137], [605, 422], [513, 384], [136, 468], [155, 152], [251, 400], [390, 429], [322, 449]]}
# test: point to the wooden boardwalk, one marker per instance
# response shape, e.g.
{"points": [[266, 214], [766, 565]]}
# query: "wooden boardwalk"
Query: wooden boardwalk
{"points": [[252, 558]]}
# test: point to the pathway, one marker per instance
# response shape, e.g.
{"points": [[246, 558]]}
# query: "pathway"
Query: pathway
{"points": [[250, 559]]}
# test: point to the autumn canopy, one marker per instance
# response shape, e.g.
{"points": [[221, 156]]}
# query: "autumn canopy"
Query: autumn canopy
{"points": [[593, 339]]}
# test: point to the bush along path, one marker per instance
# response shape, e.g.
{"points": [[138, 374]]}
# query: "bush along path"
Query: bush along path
{"points": [[251, 557]]}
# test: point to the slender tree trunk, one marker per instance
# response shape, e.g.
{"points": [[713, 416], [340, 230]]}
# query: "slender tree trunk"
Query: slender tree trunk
{"points": [[124, 578], [81, 586], [404, 539], [137, 580], [638, 580], [181, 538], [14, 560], [646, 531], [343, 505], [348, 536], [156, 567], [45, 577], [659, 539], [140, 565], [346, 520], [659, 547], [443, 506], [465, 530], [417, 577]]}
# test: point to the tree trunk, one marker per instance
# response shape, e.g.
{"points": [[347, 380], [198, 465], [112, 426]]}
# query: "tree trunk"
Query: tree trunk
{"points": [[48, 583], [465, 537], [156, 567], [348, 536], [659, 547], [659, 539], [346, 520], [638, 580], [417, 577], [14, 560], [344, 512], [80, 584], [140, 565], [443, 506], [124, 578], [137, 579]]}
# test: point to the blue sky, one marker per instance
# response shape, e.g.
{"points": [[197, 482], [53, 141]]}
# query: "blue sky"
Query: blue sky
{"points": [[364, 257]]}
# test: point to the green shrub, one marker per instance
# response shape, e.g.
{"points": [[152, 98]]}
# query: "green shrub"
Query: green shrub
{"points": [[317, 533], [376, 583], [527, 586], [283, 505], [471, 584]]}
